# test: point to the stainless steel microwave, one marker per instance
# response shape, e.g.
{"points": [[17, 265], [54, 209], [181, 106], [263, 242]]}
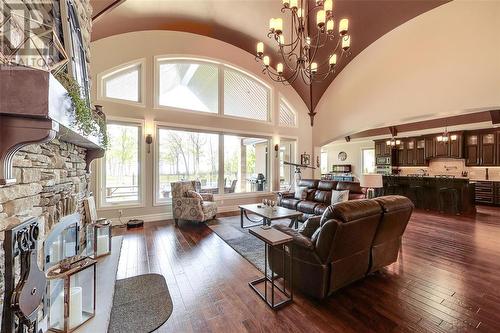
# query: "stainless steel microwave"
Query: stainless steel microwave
{"points": [[383, 161]]}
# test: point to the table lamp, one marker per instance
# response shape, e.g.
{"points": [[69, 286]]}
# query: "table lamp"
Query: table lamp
{"points": [[371, 181]]}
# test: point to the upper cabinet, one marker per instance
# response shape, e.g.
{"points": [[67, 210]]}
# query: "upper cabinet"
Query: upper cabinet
{"points": [[482, 148], [382, 149]]}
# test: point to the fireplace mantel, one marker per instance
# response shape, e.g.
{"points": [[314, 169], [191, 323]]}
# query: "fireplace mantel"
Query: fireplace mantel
{"points": [[36, 108]]}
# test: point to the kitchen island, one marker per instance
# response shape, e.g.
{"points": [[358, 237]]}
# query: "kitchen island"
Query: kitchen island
{"points": [[444, 194]]}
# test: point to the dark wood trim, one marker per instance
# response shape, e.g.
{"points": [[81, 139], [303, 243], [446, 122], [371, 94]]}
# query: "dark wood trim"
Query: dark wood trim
{"points": [[495, 117], [107, 9]]}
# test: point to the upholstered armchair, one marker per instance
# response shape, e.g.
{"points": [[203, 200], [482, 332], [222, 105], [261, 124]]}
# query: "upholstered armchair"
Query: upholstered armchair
{"points": [[187, 204]]}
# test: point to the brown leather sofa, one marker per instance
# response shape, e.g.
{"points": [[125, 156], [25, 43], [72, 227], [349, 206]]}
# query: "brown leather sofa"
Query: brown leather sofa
{"points": [[352, 239], [319, 196]]}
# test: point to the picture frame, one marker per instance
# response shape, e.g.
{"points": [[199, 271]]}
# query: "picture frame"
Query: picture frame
{"points": [[305, 159]]}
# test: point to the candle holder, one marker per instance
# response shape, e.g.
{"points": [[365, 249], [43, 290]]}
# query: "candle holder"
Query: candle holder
{"points": [[99, 238], [72, 293]]}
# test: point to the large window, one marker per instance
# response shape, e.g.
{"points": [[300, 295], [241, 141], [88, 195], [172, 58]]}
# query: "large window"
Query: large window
{"points": [[246, 164], [185, 155], [287, 154], [121, 181], [189, 85], [244, 96], [123, 84], [203, 86]]}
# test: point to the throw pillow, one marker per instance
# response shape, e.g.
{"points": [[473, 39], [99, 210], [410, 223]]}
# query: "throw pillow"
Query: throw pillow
{"points": [[309, 227], [339, 196], [194, 194], [300, 192]]}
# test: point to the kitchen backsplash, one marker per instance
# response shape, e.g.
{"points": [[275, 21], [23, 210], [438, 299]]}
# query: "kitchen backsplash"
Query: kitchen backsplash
{"points": [[454, 167]]}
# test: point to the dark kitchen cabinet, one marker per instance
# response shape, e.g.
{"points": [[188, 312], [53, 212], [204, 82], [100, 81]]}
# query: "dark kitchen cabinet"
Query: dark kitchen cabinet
{"points": [[410, 152], [440, 148], [456, 144], [488, 148], [472, 149], [420, 155], [401, 154], [382, 149], [429, 148]]}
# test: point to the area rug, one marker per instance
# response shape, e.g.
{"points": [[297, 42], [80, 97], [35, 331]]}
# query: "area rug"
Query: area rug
{"points": [[250, 247], [141, 304]]}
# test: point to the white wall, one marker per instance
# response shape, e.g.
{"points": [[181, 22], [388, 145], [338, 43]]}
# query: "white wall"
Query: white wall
{"points": [[353, 151], [445, 61], [113, 51]]}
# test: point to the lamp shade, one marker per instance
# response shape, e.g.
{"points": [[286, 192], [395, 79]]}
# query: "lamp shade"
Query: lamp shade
{"points": [[371, 180]]}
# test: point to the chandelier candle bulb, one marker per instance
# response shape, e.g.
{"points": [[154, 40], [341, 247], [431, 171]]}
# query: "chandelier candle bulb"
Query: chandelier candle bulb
{"points": [[328, 5], [281, 39], [293, 4], [300, 12], [260, 48], [333, 60], [279, 68], [271, 24], [330, 25], [278, 25], [314, 67], [346, 42], [320, 18], [266, 61], [343, 26]]}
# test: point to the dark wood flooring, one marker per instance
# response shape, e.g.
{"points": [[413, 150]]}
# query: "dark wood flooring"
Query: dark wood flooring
{"points": [[446, 280]]}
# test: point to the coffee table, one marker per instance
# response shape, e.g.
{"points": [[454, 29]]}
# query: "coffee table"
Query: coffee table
{"points": [[273, 238], [267, 215]]}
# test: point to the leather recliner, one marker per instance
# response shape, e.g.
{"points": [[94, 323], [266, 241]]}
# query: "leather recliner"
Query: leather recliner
{"points": [[353, 239], [318, 196]]}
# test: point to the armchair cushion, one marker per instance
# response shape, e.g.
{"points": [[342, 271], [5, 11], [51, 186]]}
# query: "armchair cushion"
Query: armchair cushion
{"points": [[194, 195], [207, 196], [309, 227]]}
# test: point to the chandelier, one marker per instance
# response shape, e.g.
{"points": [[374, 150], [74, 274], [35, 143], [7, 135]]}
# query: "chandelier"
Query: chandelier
{"points": [[393, 142], [446, 136], [306, 38]]}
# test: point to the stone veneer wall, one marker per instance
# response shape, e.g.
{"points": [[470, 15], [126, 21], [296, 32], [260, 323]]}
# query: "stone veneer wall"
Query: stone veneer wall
{"points": [[51, 182]]}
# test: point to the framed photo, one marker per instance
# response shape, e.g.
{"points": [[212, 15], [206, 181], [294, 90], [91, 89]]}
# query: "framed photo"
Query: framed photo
{"points": [[305, 159]]}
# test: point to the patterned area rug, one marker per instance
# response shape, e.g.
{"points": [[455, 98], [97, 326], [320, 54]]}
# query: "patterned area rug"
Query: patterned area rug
{"points": [[141, 304], [251, 248]]}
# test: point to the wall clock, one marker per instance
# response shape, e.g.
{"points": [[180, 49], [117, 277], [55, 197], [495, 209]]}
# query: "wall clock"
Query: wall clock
{"points": [[342, 156]]}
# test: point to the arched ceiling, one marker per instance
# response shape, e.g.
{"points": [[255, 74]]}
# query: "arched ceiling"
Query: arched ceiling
{"points": [[244, 22]]}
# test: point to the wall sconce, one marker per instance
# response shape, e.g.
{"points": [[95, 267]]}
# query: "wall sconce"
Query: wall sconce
{"points": [[276, 149], [149, 141]]}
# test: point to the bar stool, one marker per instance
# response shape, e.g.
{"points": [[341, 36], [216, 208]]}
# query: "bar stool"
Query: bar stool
{"points": [[416, 190], [393, 188], [446, 192]]}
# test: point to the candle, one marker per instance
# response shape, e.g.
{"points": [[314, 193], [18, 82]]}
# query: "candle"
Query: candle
{"points": [[75, 307], [266, 61], [102, 244], [281, 39], [271, 24], [328, 5], [279, 68], [333, 59], [343, 26], [57, 311], [320, 18], [314, 67], [300, 12], [260, 48], [330, 24], [293, 3], [346, 42], [278, 25]]}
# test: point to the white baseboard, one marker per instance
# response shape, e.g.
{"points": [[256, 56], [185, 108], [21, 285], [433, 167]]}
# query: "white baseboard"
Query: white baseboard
{"points": [[164, 216]]}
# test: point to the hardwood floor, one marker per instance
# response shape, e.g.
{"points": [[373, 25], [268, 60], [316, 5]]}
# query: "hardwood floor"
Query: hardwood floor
{"points": [[447, 279]]}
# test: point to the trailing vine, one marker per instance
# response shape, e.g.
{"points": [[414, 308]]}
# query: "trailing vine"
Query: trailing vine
{"points": [[86, 119]]}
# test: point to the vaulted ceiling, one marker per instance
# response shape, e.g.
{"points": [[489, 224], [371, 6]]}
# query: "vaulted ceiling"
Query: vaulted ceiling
{"points": [[244, 22]]}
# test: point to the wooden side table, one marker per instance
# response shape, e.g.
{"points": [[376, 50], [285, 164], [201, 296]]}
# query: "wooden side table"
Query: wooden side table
{"points": [[273, 238]]}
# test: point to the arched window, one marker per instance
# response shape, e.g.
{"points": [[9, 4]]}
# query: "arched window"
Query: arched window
{"points": [[205, 86], [287, 116], [123, 84]]}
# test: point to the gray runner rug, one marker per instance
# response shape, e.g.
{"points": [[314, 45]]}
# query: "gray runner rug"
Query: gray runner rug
{"points": [[141, 304]]}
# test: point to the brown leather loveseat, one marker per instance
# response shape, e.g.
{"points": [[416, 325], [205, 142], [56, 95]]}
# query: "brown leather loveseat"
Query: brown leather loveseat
{"points": [[350, 240], [318, 196]]}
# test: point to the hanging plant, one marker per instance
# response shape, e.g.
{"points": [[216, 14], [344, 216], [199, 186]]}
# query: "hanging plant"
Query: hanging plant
{"points": [[85, 118]]}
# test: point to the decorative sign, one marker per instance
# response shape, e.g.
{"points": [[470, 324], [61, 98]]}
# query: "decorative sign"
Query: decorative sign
{"points": [[305, 159]]}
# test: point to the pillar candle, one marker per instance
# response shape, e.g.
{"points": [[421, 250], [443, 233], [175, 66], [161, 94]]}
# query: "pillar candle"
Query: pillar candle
{"points": [[75, 307]]}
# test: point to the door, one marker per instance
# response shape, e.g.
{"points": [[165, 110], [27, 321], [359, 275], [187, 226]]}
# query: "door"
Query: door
{"points": [[401, 154], [441, 148], [420, 152], [472, 149], [429, 148], [487, 149]]}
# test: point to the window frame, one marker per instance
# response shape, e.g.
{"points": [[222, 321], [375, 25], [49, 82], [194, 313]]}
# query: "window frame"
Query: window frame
{"points": [[221, 132], [288, 105], [160, 59], [295, 141], [101, 86], [101, 179], [363, 159]]}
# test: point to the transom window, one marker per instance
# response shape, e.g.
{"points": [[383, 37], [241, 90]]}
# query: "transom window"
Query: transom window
{"points": [[203, 86], [287, 116], [123, 84]]}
